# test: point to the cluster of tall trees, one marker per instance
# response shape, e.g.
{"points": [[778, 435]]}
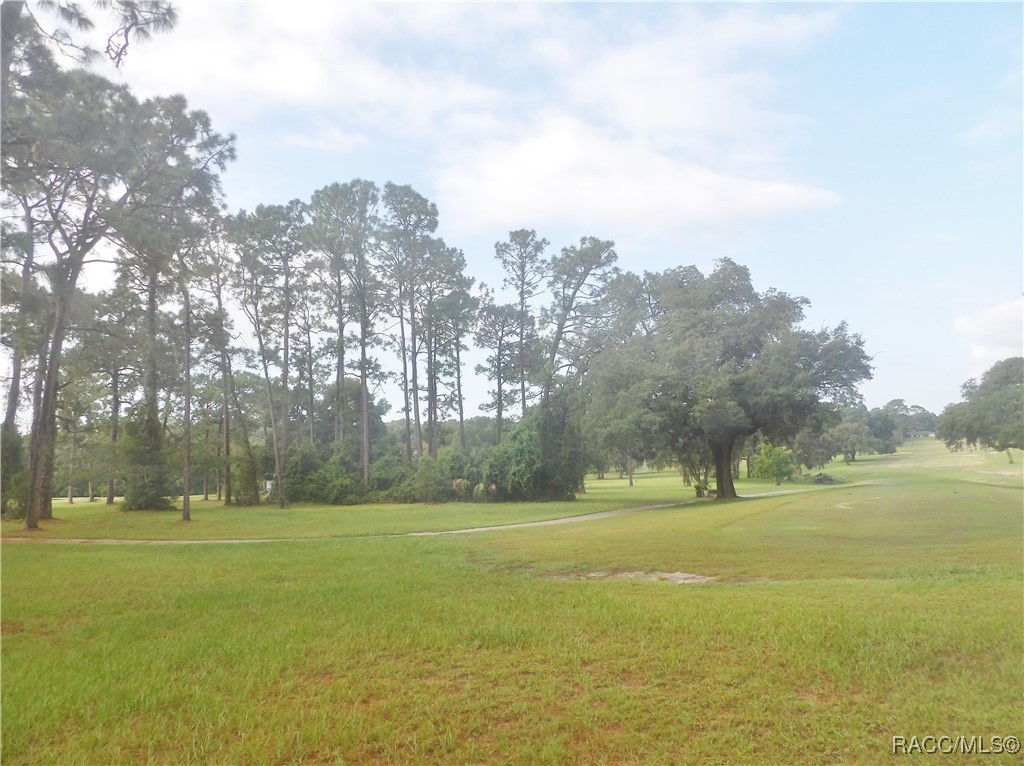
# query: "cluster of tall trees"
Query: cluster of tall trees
{"points": [[244, 354], [85, 164], [992, 411]]}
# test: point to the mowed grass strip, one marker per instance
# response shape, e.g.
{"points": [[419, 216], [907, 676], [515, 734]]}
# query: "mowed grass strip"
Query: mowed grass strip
{"points": [[464, 649]]}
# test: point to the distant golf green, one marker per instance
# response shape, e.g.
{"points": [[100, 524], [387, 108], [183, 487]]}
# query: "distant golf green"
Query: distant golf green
{"points": [[839, 617]]}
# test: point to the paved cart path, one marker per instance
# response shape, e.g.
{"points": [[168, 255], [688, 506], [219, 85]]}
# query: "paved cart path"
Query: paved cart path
{"points": [[465, 531]]}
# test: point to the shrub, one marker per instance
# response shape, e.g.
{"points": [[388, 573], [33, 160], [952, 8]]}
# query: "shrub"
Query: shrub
{"points": [[774, 463], [389, 472], [428, 484], [513, 466]]}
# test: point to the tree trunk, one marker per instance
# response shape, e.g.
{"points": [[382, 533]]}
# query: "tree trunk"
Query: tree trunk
{"points": [[227, 390], [556, 342], [549, 381], [166, 417], [722, 454], [115, 425], [364, 399], [71, 473], [278, 475], [10, 425], [312, 387], [430, 342], [499, 387], [458, 393], [228, 387], [186, 462], [405, 380], [522, 354], [414, 386], [44, 420], [206, 451], [150, 377], [339, 373], [250, 489], [286, 358]]}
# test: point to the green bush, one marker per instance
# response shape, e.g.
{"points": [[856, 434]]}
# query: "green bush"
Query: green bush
{"points": [[513, 467], [428, 484], [774, 463], [464, 470], [311, 477], [337, 488], [389, 472]]}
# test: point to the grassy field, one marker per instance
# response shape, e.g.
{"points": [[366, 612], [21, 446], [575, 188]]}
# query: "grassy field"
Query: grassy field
{"points": [[211, 521], [840, 617]]}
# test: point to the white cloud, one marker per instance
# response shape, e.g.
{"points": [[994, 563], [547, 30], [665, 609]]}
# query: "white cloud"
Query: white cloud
{"points": [[349, 57], [522, 112], [695, 83], [325, 139], [563, 171], [646, 127], [995, 333], [996, 127]]}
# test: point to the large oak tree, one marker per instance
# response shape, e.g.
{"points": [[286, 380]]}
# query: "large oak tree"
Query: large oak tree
{"points": [[728, 362]]}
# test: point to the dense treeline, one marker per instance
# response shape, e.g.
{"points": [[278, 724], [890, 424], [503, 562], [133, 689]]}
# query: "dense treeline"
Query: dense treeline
{"points": [[242, 356]]}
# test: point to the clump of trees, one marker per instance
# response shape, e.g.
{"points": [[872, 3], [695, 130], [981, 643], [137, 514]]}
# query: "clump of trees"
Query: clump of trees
{"points": [[241, 356], [855, 430], [991, 413]]}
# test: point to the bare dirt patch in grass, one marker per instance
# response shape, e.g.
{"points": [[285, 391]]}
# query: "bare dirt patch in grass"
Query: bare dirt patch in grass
{"points": [[7, 627]]}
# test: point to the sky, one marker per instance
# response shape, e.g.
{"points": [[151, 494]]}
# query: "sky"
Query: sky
{"points": [[866, 156]]}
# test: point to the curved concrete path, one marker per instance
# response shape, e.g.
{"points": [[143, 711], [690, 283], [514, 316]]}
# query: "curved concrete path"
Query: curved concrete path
{"points": [[468, 530]]}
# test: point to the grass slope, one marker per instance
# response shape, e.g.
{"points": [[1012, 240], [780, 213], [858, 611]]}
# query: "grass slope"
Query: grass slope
{"points": [[841, 617]]}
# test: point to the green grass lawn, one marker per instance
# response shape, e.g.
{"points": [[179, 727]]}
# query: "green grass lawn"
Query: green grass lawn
{"points": [[840, 617]]}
